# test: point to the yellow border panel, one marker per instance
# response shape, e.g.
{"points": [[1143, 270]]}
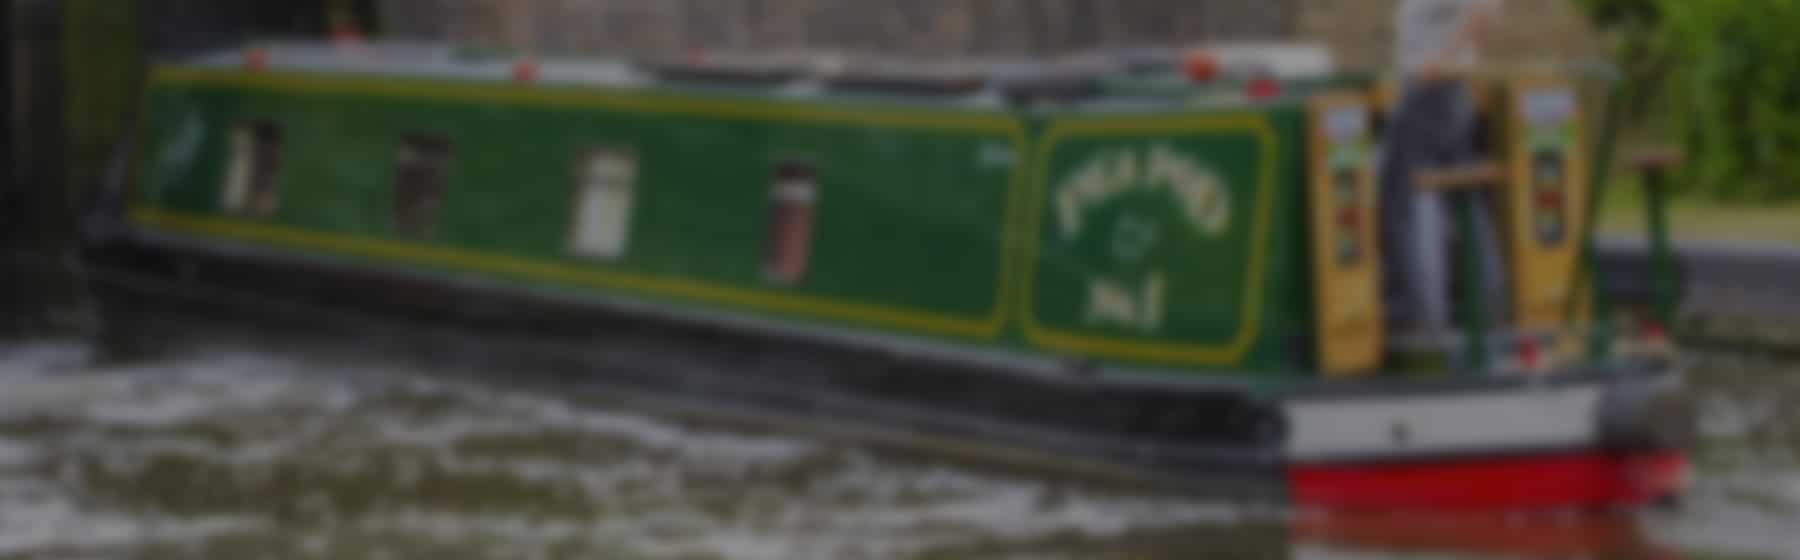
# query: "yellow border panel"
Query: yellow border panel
{"points": [[1541, 273], [988, 327], [1231, 351], [1347, 306]]}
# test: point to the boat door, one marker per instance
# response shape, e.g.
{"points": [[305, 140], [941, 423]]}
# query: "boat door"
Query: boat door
{"points": [[1544, 203], [1346, 259]]}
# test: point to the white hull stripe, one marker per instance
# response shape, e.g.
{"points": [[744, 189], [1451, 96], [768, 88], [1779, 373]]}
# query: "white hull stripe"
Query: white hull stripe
{"points": [[1406, 426]]}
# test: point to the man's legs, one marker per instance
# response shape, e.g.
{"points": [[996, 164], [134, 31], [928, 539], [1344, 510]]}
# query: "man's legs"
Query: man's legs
{"points": [[1493, 279], [1426, 266], [1490, 280], [1434, 126], [1412, 220]]}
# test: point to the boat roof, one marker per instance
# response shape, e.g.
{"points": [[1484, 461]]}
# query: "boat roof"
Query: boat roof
{"points": [[413, 59], [981, 81]]}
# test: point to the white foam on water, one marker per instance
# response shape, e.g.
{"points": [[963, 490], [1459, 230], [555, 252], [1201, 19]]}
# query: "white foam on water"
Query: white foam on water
{"points": [[152, 410], [742, 544], [37, 358], [66, 396], [1723, 416], [1321, 552], [736, 452], [662, 488], [597, 482], [652, 535], [1751, 512], [714, 449], [55, 523], [454, 528], [1024, 511], [17, 454], [1006, 507], [489, 414], [204, 387], [161, 395], [220, 389], [1734, 531], [775, 523], [26, 527], [440, 432]]}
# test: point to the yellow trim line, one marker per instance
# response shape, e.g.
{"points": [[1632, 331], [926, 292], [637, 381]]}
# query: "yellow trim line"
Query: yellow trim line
{"points": [[516, 267]]}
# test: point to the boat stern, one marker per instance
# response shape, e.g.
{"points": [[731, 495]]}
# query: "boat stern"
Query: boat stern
{"points": [[1603, 441]]}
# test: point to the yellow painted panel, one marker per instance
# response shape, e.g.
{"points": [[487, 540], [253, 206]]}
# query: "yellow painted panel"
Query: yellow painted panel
{"points": [[1544, 200], [1346, 259]]}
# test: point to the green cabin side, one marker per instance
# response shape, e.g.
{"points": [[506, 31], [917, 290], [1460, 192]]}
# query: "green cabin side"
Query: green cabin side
{"points": [[1168, 240]]}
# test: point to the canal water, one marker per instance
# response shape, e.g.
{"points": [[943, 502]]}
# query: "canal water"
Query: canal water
{"points": [[229, 450]]}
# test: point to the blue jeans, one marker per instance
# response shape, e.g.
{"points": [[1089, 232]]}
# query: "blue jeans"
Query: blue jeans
{"points": [[1434, 125]]}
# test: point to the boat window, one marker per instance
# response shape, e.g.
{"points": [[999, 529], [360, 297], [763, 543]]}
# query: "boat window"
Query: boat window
{"points": [[605, 182], [250, 176], [422, 169], [793, 195]]}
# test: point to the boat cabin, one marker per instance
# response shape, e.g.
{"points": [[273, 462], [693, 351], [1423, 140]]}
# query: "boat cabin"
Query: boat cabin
{"points": [[1141, 258], [1114, 211]]}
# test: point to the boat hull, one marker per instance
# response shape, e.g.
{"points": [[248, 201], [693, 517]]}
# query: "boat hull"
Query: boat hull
{"points": [[1492, 444], [1610, 440], [1580, 479]]}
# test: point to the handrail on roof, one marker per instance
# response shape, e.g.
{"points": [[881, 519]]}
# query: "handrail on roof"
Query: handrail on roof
{"points": [[1079, 77], [752, 75], [1019, 83]]}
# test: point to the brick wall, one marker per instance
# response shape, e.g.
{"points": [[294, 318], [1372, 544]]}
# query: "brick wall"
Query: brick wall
{"points": [[1360, 31], [920, 27]]}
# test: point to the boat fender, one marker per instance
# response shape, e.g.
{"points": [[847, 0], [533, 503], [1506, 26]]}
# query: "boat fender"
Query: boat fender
{"points": [[1638, 415], [1270, 425]]}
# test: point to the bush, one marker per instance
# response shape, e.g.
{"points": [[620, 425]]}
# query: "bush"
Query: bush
{"points": [[1721, 74]]}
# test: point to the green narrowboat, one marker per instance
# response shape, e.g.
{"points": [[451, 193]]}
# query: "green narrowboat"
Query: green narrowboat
{"points": [[1201, 255]]}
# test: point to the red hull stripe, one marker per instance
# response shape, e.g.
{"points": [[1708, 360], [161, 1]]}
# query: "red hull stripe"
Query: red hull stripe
{"points": [[1584, 479]]}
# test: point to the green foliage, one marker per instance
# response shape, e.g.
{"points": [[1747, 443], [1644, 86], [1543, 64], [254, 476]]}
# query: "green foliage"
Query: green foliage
{"points": [[1615, 13], [1722, 75], [103, 68]]}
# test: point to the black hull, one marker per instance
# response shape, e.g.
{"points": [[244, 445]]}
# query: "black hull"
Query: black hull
{"points": [[1219, 442]]}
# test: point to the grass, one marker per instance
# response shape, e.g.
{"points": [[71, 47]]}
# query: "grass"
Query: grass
{"points": [[1695, 218]]}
